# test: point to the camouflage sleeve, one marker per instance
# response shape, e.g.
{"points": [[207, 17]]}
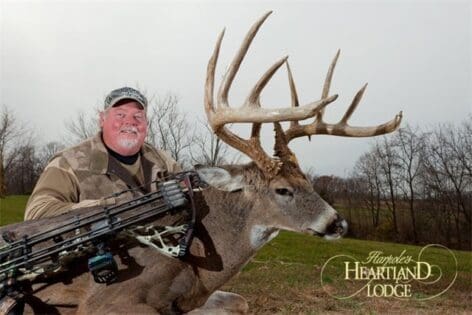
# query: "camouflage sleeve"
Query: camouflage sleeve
{"points": [[56, 192]]}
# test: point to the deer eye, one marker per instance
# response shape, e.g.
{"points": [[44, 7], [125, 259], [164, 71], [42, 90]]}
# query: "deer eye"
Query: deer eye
{"points": [[284, 192]]}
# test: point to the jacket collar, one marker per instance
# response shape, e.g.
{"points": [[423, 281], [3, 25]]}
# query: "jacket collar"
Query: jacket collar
{"points": [[100, 159]]}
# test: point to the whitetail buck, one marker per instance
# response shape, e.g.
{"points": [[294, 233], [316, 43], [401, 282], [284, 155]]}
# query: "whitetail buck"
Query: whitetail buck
{"points": [[244, 208]]}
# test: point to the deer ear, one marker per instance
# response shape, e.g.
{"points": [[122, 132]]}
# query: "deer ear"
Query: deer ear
{"points": [[220, 178]]}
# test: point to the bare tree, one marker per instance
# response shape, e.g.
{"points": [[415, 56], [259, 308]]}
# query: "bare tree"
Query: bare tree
{"points": [[409, 143], [354, 189], [82, 126], [463, 149], [447, 178], [168, 127], [424, 177], [368, 169], [388, 159], [11, 131], [207, 149], [24, 170], [47, 151], [453, 166], [328, 187]]}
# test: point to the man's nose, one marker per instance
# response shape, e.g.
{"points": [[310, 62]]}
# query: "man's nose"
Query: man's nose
{"points": [[130, 120]]}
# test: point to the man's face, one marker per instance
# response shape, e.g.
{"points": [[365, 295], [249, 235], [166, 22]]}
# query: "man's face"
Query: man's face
{"points": [[124, 127]]}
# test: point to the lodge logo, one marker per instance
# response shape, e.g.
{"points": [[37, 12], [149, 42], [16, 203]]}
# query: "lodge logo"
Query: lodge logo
{"points": [[405, 276]]}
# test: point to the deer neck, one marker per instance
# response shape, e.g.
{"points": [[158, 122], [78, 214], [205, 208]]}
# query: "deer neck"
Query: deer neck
{"points": [[227, 234]]}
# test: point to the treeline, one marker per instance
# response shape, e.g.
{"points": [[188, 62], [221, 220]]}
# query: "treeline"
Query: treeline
{"points": [[21, 159], [413, 186]]}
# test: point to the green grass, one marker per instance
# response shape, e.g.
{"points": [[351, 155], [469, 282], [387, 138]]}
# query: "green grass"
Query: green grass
{"points": [[284, 277], [12, 209]]}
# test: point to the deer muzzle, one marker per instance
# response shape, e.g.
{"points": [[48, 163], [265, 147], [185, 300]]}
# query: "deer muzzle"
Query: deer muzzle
{"points": [[336, 229]]}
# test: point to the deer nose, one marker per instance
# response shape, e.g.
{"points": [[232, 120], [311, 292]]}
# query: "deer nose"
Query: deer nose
{"points": [[338, 227]]}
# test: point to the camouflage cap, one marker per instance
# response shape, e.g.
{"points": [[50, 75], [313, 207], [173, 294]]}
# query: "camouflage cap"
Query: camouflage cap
{"points": [[125, 93]]}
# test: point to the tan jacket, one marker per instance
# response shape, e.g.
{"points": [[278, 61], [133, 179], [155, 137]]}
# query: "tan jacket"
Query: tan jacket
{"points": [[86, 175]]}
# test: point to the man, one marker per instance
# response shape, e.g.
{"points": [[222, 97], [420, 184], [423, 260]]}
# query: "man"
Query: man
{"points": [[114, 160]]}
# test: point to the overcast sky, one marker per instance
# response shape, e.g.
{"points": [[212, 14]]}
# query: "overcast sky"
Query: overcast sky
{"points": [[59, 57]]}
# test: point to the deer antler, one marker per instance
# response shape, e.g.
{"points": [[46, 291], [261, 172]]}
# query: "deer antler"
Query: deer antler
{"points": [[251, 111]]}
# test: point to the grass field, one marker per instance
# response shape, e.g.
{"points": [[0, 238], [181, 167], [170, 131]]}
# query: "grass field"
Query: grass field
{"points": [[285, 276], [12, 209]]}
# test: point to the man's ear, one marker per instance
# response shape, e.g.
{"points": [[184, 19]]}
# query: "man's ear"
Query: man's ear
{"points": [[101, 117], [220, 178]]}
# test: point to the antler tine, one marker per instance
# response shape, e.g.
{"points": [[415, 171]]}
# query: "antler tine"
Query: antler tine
{"points": [[210, 79], [327, 83], [293, 93], [281, 148], [218, 117], [353, 105], [253, 98], [236, 63]]}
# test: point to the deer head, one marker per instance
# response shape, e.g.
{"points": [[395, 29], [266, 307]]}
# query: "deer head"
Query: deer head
{"points": [[289, 198]]}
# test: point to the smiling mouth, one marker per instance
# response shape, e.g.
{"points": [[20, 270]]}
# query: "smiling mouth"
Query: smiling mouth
{"points": [[128, 132]]}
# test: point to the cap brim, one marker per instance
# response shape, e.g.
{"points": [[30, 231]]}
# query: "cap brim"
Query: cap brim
{"points": [[126, 97]]}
